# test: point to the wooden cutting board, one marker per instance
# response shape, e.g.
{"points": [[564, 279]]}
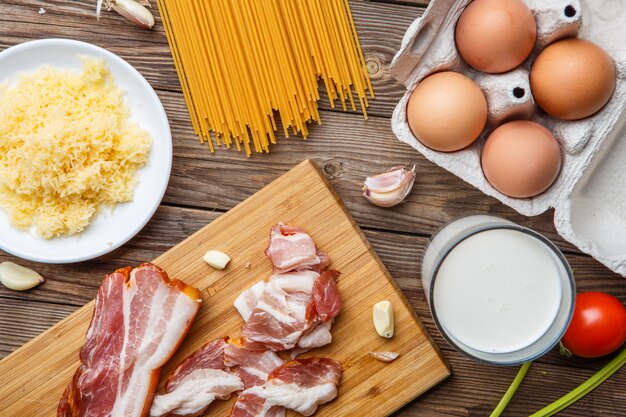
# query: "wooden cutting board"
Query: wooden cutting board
{"points": [[33, 377]]}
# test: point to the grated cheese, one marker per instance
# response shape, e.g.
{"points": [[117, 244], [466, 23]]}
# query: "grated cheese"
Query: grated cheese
{"points": [[67, 148]]}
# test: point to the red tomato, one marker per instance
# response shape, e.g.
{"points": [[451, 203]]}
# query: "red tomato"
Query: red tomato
{"points": [[598, 326]]}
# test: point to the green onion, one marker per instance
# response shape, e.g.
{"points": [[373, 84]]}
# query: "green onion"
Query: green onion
{"points": [[511, 391], [585, 388]]}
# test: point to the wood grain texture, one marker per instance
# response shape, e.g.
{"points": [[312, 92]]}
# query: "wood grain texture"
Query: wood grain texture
{"points": [[347, 148], [300, 197]]}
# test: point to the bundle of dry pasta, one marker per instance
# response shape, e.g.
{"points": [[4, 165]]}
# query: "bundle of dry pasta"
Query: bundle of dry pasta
{"points": [[239, 61]]}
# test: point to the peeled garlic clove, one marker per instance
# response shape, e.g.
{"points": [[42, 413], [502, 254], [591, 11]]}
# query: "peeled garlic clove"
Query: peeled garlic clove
{"points": [[134, 12], [389, 188], [385, 356], [216, 259], [17, 277], [383, 317]]}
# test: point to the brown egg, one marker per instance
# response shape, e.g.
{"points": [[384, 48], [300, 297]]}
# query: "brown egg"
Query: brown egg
{"points": [[495, 35], [447, 111], [572, 79], [521, 159]]}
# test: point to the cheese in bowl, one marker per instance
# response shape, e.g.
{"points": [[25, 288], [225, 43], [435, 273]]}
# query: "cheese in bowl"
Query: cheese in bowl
{"points": [[67, 148]]}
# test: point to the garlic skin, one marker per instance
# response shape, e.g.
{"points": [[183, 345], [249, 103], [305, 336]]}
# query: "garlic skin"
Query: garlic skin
{"points": [[18, 278], [385, 356], [390, 188]]}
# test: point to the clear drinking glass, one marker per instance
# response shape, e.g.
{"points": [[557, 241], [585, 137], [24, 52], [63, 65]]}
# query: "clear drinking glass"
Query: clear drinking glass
{"points": [[483, 238]]}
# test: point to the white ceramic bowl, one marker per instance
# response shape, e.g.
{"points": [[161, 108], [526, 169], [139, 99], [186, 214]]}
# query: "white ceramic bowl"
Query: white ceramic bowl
{"points": [[110, 229]]}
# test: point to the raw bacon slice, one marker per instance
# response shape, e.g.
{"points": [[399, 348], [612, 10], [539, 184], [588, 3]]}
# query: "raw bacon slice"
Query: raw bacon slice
{"points": [[196, 383], [294, 309], [301, 385], [326, 295], [247, 300], [252, 366], [318, 335], [139, 320], [282, 312], [292, 249]]}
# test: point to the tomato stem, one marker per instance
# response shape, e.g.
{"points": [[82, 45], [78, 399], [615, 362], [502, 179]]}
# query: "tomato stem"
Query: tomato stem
{"points": [[585, 388], [511, 391], [564, 351]]}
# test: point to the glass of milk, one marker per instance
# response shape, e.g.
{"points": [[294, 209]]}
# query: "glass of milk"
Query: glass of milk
{"points": [[499, 292]]}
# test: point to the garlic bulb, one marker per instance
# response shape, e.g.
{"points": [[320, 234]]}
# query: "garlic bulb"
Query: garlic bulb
{"points": [[390, 188]]}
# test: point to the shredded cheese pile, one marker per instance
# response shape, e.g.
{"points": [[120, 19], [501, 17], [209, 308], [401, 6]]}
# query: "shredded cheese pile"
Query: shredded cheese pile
{"points": [[67, 148]]}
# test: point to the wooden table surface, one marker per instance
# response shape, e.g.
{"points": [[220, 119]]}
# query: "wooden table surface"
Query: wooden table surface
{"points": [[348, 148]]}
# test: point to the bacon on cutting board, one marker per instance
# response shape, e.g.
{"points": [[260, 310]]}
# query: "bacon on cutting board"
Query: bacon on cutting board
{"points": [[252, 366], [292, 249], [282, 312], [139, 320], [301, 385], [196, 383], [292, 310]]}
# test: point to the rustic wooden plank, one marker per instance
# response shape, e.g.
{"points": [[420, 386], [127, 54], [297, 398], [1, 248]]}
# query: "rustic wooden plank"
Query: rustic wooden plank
{"points": [[76, 284], [22, 320], [148, 50]]}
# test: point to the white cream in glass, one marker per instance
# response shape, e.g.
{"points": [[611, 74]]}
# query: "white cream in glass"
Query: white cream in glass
{"points": [[498, 292]]}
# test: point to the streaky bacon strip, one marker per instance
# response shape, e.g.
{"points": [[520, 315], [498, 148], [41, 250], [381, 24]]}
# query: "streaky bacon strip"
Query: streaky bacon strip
{"points": [[208, 356], [292, 249], [301, 385], [139, 320], [196, 383], [252, 366]]}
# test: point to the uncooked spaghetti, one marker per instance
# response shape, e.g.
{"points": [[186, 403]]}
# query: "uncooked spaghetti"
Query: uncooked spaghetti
{"points": [[240, 61]]}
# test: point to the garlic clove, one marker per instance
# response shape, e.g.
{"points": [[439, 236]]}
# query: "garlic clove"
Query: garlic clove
{"points": [[18, 278], [385, 356], [216, 259], [134, 12], [389, 188], [383, 317]]}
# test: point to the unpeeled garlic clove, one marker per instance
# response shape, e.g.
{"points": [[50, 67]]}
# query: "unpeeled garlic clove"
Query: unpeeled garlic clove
{"points": [[134, 12], [383, 317], [389, 188], [385, 356], [18, 278]]}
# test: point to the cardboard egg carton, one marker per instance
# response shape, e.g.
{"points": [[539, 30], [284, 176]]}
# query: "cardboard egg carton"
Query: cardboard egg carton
{"points": [[589, 196]]}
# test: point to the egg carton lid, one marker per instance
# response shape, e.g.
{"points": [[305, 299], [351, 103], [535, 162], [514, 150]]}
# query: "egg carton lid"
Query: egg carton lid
{"points": [[589, 196]]}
